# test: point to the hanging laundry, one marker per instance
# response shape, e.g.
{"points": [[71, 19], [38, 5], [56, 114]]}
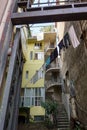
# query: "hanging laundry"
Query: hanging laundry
{"points": [[53, 55], [47, 61], [60, 45], [66, 40], [73, 37]]}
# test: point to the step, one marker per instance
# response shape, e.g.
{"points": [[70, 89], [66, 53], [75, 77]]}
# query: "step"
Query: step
{"points": [[63, 129], [63, 125], [62, 120], [62, 115], [65, 117]]}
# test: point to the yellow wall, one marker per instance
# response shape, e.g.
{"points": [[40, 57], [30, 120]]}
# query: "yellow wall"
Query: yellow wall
{"points": [[32, 65], [37, 111], [32, 69]]}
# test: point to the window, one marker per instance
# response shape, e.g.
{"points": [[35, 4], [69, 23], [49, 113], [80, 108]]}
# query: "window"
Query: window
{"points": [[38, 45], [34, 96], [31, 55], [36, 56], [37, 91], [39, 55], [27, 74], [39, 118]]}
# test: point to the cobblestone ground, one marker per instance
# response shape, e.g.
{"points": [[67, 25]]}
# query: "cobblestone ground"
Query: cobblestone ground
{"points": [[34, 126]]}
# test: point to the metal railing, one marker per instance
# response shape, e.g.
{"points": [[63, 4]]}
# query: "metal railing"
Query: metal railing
{"points": [[54, 2], [53, 82], [41, 3], [52, 66]]}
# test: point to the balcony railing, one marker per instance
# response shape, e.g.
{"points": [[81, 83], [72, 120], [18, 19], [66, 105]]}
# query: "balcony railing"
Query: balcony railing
{"points": [[26, 101], [48, 48], [53, 67], [53, 82], [39, 3]]}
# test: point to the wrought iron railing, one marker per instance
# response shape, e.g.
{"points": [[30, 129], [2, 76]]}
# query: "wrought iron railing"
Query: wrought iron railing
{"points": [[53, 82], [52, 66], [50, 47]]}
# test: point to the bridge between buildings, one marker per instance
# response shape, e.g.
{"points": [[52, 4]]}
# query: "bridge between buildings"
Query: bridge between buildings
{"points": [[49, 12], [32, 13]]}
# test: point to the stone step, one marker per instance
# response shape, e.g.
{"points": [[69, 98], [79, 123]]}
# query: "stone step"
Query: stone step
{"points": [[62, 112], [63, 129], [62, 120], [63, 123], [62, 117], [63, 126]]}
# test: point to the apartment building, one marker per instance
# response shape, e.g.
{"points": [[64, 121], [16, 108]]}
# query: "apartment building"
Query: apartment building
{"points": [[32, 89]]}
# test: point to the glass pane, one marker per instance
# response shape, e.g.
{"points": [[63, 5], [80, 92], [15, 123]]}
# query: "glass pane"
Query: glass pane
{"points": [[31, 55], [26, 101]]}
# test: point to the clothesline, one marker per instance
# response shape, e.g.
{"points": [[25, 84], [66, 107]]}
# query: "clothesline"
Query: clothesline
{"points": [[69, 37]]}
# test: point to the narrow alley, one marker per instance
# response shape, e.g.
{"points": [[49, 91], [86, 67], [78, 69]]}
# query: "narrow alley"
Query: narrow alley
{"points": [[43, 65]]}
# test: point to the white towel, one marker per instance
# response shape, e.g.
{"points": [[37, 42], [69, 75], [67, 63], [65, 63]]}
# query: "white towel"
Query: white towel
{"points": [[73, 37]]}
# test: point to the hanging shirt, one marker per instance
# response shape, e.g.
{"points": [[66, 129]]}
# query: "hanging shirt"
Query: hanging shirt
{"points": [[61, 45], [73, 37], [55, 53], [52, 57], [47, 61], [66, 40]]}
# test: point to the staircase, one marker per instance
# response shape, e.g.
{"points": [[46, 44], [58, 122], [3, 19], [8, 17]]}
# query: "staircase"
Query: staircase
{"points": [[62, 119]]}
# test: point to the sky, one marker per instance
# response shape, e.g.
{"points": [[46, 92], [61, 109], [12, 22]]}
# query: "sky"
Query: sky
{"points": [[35, 28], [44, 1]]}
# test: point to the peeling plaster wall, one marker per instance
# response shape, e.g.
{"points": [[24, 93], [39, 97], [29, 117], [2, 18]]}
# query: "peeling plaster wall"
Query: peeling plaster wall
{"points": [[75, 61]]}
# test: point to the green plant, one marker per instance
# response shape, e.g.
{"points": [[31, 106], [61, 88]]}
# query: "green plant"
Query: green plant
{"points": [[50, 106], [51, 111], [48, 122]]}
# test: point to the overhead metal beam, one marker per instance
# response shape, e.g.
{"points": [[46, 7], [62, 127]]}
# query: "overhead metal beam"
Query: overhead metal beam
{"points": [[70, 12]]}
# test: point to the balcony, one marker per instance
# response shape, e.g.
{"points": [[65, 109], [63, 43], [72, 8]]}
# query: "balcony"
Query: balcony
{"points": [[60, 12], [49, 49], [53, 83], [54, 67]]}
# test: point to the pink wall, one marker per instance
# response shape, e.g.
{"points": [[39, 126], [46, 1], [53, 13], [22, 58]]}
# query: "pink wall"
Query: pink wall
{"points": [[3, 4], [5, 12]]}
